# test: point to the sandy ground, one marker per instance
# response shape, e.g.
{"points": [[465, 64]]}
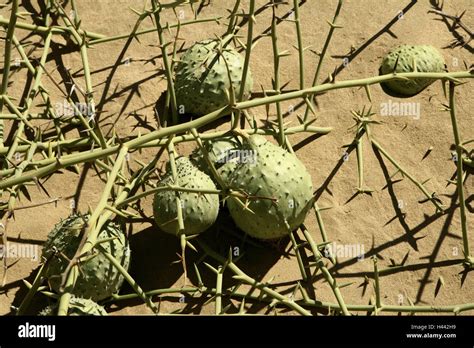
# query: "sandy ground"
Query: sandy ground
{"points": [[390, 223]]}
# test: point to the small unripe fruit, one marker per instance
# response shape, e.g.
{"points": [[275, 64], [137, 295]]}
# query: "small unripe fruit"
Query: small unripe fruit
{"points": [[223, 153], [98, 278], [424, 58]]}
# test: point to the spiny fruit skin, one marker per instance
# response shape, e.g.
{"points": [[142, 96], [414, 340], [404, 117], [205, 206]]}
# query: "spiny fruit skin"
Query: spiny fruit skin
{"points": [[199, 210], [98, 278], [223, 154], [77, 307], [275, 174], [202, 79], [426, 58]]}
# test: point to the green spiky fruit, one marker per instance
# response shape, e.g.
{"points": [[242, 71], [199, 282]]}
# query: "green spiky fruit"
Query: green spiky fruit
{"points": [[223, 154], [77, 306], [424, 58], [98, 278], [281, 185], [199, 210], [202, 77]]}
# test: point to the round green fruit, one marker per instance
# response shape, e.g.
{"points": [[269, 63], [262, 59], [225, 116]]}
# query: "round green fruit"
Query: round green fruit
{"points": [[203, 78], [98, 278], [423, 58], [199, 210]]}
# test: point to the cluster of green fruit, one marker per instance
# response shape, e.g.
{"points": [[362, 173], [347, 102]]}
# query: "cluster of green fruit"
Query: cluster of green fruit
{"points": [[277, 186], [274, 189], [268, 194]]}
